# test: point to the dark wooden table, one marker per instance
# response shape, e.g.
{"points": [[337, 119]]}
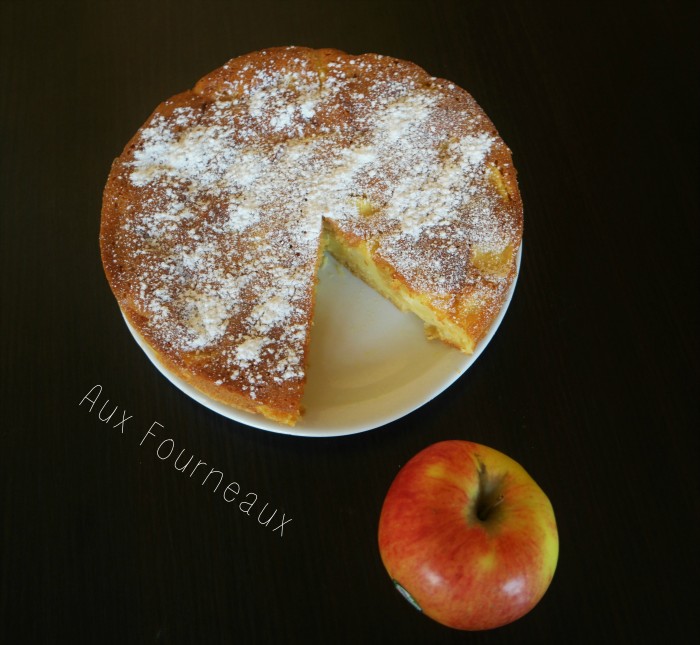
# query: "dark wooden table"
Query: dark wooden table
{"points": [[590, 382]]}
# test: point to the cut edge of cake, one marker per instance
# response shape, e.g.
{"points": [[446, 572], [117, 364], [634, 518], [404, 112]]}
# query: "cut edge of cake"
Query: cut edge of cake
{"points": [[461, 325]]}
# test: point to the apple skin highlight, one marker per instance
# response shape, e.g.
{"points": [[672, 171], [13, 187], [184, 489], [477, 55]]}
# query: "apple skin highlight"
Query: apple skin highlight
{"points": [[468, 536]]}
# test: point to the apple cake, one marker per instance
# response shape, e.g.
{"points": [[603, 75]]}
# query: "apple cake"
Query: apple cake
{"points": [[217, 214]]}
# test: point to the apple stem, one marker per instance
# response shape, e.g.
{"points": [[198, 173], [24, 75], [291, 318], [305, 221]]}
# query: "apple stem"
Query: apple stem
{"points": [[489, 496]]}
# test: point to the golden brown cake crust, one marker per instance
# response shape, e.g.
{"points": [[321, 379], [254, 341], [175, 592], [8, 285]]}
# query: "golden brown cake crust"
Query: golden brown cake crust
{"points": [[214, 214]]}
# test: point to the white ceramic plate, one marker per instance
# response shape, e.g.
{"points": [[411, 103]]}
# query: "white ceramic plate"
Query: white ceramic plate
{"points": [[369, 363]]}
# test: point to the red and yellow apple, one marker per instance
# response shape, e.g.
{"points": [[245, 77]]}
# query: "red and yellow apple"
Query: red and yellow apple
{"points": [[467, 536]]}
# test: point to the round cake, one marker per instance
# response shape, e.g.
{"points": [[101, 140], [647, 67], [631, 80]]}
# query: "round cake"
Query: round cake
{"points": [[217, 214]]}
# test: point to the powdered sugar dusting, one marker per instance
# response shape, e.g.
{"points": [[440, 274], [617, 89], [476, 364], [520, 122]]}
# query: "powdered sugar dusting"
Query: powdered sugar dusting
{"points": [[233, 194]]}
